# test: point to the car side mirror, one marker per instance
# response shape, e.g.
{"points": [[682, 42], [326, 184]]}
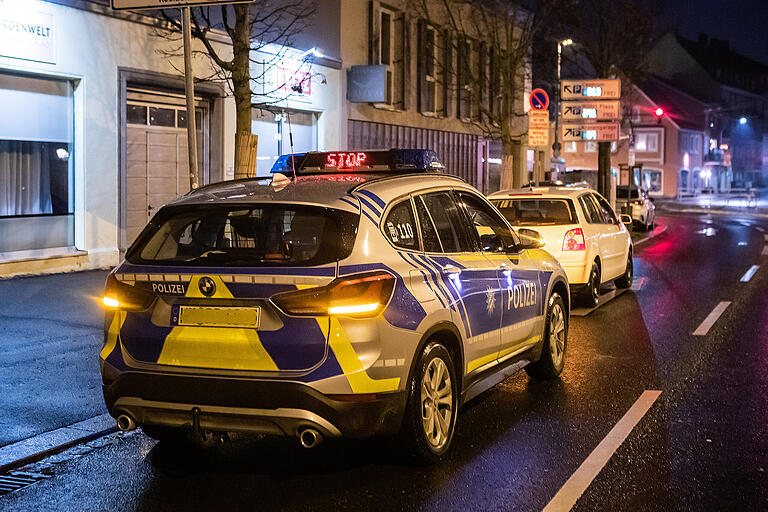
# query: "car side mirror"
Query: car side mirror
{"points": [[626, 220], [530, 239]]}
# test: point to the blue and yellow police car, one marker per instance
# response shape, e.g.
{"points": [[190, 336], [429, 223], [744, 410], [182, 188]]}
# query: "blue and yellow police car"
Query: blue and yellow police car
{"points": [[352, 294]]}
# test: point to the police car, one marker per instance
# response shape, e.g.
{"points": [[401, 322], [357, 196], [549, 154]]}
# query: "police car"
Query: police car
{"points": [[351, 295]]}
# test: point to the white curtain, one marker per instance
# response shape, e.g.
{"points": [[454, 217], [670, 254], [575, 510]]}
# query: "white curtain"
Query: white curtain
{"points": [[25, 181]]}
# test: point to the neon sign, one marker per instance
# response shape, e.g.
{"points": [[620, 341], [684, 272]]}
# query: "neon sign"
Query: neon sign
{"points": [[345, 160]]}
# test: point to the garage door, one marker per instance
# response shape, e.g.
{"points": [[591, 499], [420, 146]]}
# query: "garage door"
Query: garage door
{"points": [[157, 163]]}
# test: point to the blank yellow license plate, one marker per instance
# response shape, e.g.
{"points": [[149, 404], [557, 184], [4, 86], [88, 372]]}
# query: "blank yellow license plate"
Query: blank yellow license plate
{"points": [[219, 316]]}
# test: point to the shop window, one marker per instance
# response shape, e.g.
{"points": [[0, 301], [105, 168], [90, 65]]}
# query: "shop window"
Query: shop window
{"points": [[136, 114], [36, 163], [590, 146], [162, 117], [570, 147], [652, 181]]}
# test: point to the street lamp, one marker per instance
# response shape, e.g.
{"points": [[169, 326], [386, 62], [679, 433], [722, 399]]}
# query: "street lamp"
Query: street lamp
{"points": [[556, 145], [742, 120]]}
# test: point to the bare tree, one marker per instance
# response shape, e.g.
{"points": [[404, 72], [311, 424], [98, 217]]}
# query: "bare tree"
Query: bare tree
{"points": [[614, 35], [260, 35], [482, 57]]}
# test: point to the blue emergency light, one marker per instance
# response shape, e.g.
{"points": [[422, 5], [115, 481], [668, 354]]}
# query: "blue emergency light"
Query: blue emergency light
{"points": [[388, 160]]}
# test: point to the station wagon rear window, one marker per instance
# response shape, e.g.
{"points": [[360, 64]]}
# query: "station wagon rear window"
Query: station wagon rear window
{"points": [[537, 212], [245, 235]]}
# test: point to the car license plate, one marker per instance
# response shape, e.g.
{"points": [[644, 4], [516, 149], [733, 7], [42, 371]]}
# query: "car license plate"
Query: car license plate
{"points": [[209, 316]]}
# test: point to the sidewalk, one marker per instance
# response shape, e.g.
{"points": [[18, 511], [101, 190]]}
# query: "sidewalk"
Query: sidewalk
{"points": [[736, 203], [51, 330]]}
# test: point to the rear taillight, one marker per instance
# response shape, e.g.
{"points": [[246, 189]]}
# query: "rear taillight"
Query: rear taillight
{"points": [[359, 295], [123, 296], [574, 240]]}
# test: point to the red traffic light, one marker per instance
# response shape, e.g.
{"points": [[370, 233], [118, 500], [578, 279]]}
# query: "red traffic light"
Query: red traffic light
{"points": [[659, 112]]}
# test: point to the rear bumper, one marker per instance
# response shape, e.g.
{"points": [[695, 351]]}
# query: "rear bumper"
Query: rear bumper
{"points": [[252, 406], [578, 273]]}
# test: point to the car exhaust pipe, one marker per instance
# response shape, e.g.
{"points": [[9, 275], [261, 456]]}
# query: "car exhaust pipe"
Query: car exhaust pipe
{"points": [[125, 423], [310, 438]]}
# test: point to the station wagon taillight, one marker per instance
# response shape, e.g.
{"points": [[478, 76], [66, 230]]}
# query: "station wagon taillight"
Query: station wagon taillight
{"points": [[574, 240], [123, 296], [358, 295]]}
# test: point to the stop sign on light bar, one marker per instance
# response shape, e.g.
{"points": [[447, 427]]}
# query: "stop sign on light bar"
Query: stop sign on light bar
{"points": [[659, 112]]}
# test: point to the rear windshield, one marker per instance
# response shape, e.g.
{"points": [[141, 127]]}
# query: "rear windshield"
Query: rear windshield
{"points": [[245, 235], [622, 193], [537, 212]]}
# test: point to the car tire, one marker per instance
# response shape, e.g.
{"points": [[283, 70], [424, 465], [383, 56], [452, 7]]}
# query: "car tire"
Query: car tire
{"points": [[432, 394], [550, 364], [591, 294], [168, 435], [625, 281]]}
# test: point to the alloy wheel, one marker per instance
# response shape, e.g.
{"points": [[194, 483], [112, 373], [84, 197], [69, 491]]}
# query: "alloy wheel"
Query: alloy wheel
{"points": [[436, 403], [557, 335]]}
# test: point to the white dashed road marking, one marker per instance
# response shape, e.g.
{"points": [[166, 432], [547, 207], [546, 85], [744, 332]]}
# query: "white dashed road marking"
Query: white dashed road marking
{"points": [[708, 322], [569, 493], [746, 277]]}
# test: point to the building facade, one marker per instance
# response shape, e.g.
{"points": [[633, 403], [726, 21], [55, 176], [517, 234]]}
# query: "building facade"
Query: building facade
{"points": [[93, 133], [422, 105], [736, 91]]}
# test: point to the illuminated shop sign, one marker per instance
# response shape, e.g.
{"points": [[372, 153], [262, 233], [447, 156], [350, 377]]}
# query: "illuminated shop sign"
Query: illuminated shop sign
{"points": [[27, 31]]}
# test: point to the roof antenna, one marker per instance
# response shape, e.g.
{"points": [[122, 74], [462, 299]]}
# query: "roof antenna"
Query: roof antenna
{"points": [[290, 139], [290, 128]]}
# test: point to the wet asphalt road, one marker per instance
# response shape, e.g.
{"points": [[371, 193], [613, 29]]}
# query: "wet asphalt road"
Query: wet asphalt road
{"points": [[51, 328], [702, 446]]}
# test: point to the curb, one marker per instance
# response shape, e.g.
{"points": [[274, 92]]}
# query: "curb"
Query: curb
{"points": [[653, 234], [42, 445]]}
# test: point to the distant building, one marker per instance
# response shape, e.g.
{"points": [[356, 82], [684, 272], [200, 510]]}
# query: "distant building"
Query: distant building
{"points": [[670, 146], [736, 90]]}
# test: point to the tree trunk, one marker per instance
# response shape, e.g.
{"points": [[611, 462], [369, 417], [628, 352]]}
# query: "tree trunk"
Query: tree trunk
{"points": [[507, 166], [603, 168], [241, 86]]}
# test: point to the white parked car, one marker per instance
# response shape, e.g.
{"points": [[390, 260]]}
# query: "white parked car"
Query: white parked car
{"points": [[643, 210], [580, 229]]}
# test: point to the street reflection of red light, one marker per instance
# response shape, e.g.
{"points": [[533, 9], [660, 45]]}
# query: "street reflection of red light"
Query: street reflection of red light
{"points": [[662, 248]]}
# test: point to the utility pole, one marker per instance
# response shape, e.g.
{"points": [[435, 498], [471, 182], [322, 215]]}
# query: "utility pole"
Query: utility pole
{"points": [[189, 86]]}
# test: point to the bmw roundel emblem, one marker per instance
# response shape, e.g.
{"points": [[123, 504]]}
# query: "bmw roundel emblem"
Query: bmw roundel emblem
{"points": [[207, 286]]}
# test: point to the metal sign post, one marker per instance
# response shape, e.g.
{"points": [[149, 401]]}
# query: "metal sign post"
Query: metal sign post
{"points": [[189, 79], [189, 88]]}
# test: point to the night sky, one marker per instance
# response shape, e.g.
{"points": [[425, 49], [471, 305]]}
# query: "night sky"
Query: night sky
{"points": [[743, 22]]}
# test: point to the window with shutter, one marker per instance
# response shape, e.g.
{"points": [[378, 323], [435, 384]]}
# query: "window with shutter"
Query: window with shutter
{"points": [[389, 47]]}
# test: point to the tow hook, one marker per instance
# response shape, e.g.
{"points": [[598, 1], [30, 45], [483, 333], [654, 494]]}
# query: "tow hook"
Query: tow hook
{"points": [[199, 433]]}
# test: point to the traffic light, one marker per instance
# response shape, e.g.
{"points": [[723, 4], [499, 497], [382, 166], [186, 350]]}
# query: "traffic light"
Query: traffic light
{"points": [[659, 112]]}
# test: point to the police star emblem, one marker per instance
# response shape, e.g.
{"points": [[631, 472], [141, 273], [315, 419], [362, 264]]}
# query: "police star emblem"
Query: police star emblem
{"points": [[490, 301]]}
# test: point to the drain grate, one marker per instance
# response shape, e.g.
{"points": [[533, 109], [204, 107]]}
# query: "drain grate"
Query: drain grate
{"points": [[17, 480]]}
